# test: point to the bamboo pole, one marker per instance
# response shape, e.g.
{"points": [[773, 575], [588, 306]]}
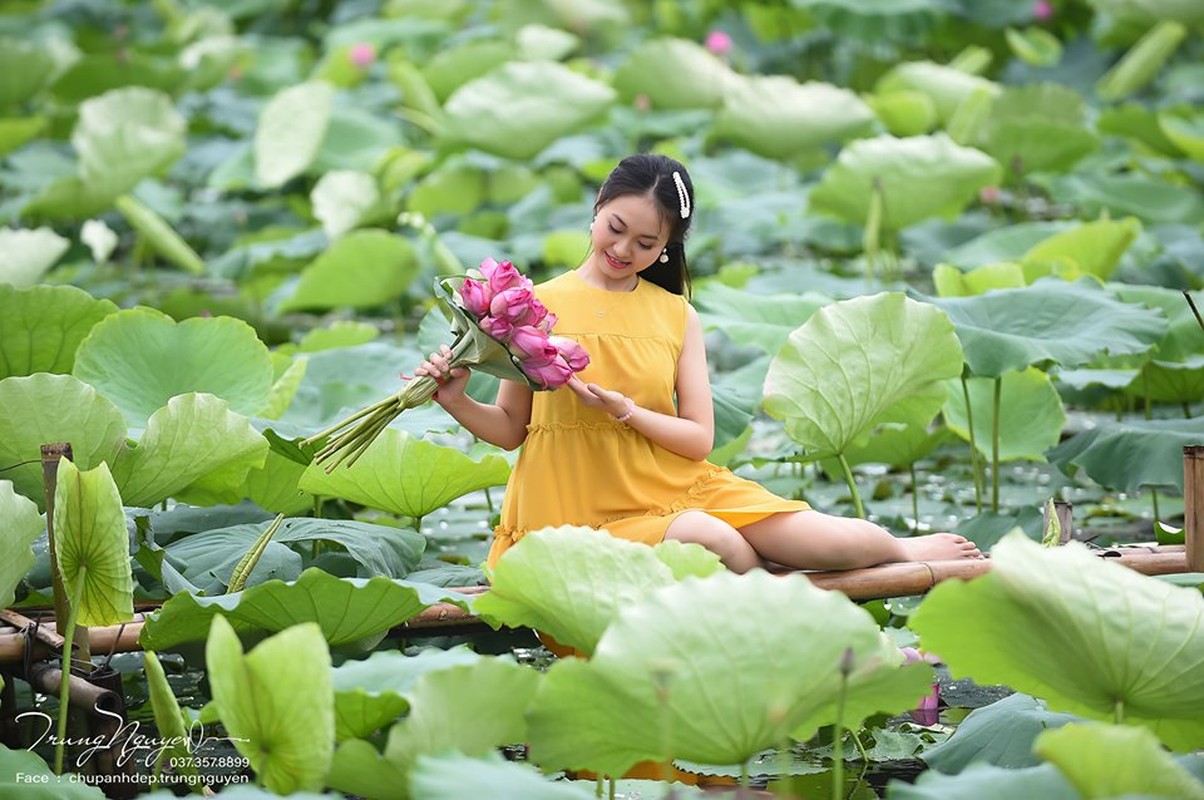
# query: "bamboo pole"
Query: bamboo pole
{"points": [[1193, 506]]}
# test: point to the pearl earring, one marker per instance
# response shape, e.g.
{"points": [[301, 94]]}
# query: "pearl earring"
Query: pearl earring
{"points": [[664, 258]]}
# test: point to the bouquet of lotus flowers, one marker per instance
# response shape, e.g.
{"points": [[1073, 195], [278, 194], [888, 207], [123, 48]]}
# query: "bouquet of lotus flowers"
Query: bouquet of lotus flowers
{"points": [[499, 328]]}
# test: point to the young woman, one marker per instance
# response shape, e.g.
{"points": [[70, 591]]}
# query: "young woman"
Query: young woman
{"points": [[625, 447]]}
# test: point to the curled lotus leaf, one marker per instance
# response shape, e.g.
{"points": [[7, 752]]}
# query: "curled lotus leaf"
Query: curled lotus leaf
{"points": [[1076, 631]]}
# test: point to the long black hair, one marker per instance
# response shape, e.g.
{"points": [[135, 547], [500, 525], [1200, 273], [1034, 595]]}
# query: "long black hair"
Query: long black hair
{"points": [[652, 175]]}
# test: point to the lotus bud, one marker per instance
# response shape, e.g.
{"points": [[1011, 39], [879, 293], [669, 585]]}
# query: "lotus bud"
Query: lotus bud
{"points": [[362, 54], [573, 353], [718, 42], [527, 341], [476, 297], [502, 276]]}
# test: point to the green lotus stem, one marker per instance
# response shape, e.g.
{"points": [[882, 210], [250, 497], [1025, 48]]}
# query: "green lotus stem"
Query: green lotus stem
{"points": [[995, 445], [1118, 711], [865, 757], [846, 669], [744, 783], [974, 463], [848, 477], [915, 497], [784, 770], [870, 241], [77, 595], [238, 578], [598, 786], [614, 786]]}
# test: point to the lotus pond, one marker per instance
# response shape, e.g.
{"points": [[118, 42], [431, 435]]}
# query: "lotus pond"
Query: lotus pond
{"points": [[948, 256]]}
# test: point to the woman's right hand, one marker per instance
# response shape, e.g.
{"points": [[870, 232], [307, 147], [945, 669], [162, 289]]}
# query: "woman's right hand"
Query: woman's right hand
{"points": [[452, 382]]}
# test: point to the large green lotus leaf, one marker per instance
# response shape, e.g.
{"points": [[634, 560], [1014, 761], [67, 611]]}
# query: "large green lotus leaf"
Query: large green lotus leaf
{"points": [[363, 269], [1094, 247], [92, 544], [341, 333], [41, 327], [1086, 636], [452, 67], [343, 199], [860, 363], [518, 109], [985, 782], [379, 549], [526, 592], [291, 128], [761, 320], [1062, 323], [1138, 124], [194, 440], [43, 409], [405, 475], [919, 177], [1112, 761], [674, 74], [1009, 243], [371, 693], [905, 112], [945, 85], [124, 135], [775, 116], [27, 255], [877, 21], [687, 559], [276, 703], [140, 358], [1171, 381], [274, 486], [207, 560], [1038, 127], [359, 770], [1131, 454], [1187, 133], [287, 375], [25, 67], [1153, 200], [1031, 417], [1150, 11], [16, 132], [471, 708], [452, 777], [25, 774], [347, 609], [658, 679], [1000, 734], [952, 282], [1183, 338], [896, 445], [22, 524]]}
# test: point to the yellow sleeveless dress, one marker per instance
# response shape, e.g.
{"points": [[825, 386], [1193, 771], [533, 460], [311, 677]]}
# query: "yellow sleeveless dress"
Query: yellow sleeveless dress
{"points": [[579, 466]]}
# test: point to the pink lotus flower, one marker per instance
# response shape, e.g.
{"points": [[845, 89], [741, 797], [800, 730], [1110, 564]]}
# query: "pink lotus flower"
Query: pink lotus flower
{"points": [[1042, 10], [527, 341], [476, 297], [548, 322], [502, 276], [927, 708], [718, 42], [548, 371], [518, 307], [573, 353], [499, 329], [362, 54], [989, 195]]}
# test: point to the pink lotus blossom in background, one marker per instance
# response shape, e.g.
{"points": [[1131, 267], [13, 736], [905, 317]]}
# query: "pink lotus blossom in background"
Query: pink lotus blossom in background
{"points": [[1042, 10], [363, 54], [927, 710], [989, 195], [718, 42], [641, 102]]}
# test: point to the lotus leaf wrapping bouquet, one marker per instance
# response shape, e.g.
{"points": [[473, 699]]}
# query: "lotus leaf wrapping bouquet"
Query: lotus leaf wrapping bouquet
{"points": [[499, 328]]}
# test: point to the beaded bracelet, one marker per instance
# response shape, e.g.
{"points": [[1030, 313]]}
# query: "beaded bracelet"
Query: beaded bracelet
{"points": [[630, 411]]}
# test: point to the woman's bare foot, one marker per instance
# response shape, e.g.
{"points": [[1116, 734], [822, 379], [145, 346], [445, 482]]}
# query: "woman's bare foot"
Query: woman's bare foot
{"points": [[938, 547]]}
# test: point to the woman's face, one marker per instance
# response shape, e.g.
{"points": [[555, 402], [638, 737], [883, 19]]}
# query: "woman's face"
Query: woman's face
{"points": [[628, 236]]}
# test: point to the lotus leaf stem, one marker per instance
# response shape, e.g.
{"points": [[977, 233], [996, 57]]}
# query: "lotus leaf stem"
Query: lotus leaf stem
{"points": [[848, 477], [77, 595], [975, 466], [915, 497], [838, 739], [1118, 711], [613, 784], [995, 445]]}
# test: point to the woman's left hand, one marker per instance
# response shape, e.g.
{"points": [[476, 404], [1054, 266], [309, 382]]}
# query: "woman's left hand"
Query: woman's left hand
{"points": [[594, 396]]}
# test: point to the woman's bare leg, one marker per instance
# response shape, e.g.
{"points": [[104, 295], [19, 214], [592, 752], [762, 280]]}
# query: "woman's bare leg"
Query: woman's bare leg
{"points": [[814, 540], [717, 536]]}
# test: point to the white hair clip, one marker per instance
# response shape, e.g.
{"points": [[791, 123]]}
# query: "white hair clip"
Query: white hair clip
{"points": [[682, 195]]}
